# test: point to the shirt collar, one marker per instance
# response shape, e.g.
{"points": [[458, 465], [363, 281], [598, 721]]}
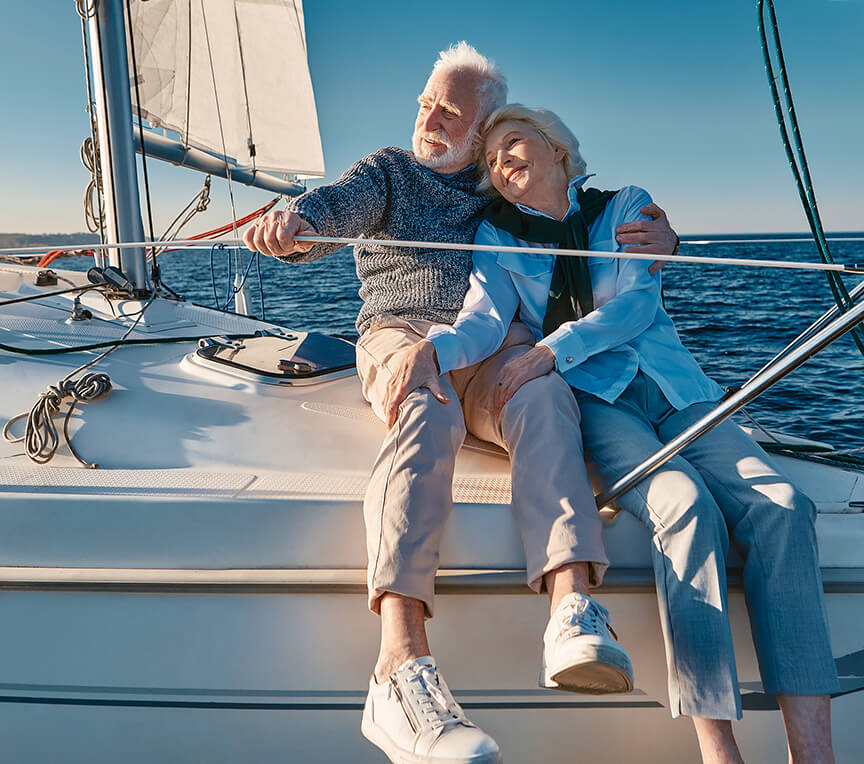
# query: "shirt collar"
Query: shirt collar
{"points": [[574, 186]]}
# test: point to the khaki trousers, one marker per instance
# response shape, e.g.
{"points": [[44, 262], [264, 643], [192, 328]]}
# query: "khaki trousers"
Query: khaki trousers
{"points": [[410, 497]]}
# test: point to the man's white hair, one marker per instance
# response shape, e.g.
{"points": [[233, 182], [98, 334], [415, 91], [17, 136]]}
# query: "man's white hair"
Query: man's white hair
{"points": [[492, 85]]}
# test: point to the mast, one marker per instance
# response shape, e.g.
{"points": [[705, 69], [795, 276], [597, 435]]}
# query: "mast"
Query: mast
{"points": [[116, 147]]}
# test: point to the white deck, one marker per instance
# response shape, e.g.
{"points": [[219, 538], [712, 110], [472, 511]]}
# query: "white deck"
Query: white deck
{"points": [[200, 597]]}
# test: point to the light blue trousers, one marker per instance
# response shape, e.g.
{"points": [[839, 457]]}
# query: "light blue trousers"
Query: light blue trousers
{"points": [[721, 485]]}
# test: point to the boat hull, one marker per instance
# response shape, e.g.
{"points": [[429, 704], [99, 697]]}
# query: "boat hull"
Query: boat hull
{"points": [[262, 672], [201, 597]]}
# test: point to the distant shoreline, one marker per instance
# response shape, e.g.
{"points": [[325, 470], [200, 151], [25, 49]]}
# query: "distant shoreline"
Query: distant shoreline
{"points": [[9, 240]]}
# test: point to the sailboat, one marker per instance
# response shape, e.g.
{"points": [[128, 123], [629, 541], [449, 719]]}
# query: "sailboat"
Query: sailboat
{"points": [[183, 573]]}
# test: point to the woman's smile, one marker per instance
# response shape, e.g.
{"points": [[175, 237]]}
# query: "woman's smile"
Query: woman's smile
{"points": [[512, 173], [525, 168]]}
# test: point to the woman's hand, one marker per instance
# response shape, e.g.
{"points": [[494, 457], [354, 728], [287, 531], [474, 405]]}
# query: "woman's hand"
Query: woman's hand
{"points": [[535, 363], [410, 369]]}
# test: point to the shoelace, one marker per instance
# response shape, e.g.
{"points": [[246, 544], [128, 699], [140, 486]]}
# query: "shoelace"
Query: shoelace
{"points": [[438, 709], [592, 619]]}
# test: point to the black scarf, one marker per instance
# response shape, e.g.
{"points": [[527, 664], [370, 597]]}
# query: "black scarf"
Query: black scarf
{"points": [[571, 279]]}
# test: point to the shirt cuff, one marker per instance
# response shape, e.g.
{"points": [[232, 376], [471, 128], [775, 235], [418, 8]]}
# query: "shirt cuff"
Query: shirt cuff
{"points": [[448, 349], [567, 346]]}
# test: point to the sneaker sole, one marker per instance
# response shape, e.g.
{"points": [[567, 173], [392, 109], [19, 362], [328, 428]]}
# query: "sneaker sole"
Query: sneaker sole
{"points": [[607, 671], [378, 737]]}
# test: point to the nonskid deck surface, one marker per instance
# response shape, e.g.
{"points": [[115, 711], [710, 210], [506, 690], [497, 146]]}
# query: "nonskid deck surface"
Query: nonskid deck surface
{"points": [[188, 449]]}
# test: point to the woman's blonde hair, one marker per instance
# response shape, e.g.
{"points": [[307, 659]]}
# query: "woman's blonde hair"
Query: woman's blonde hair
{"points": [[545, 122]]}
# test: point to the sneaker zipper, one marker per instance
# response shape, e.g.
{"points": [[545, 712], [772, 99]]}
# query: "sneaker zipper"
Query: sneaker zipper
{"points": [[409, 713]]}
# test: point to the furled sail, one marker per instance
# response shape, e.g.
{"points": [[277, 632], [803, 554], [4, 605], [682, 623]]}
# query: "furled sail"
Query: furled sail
{"points": [[255, 51]]}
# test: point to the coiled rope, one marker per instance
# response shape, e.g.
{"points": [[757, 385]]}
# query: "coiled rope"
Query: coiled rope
{"points": [[40, 435], [800, 168]]}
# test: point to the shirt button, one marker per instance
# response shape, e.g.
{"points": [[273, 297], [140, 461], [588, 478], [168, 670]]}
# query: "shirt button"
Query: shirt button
{"points": [[569, 359]]}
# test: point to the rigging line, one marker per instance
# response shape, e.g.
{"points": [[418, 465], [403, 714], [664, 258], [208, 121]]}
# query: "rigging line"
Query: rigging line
{"points": [[805, 187], [252, 150], [169, 232], [97, 345], [109, 160], [853, 268], [796, 132], [86, 11], [188, 71], [95, 176], [228, 294], [131, 36], [239, 262], [55, 293], [260, 286]]}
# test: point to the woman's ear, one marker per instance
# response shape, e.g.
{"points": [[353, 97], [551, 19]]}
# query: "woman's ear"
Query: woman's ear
{"points": [[559, 155]]}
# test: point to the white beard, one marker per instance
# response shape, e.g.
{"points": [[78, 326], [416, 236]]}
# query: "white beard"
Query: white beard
{"points": [[456, 154]]}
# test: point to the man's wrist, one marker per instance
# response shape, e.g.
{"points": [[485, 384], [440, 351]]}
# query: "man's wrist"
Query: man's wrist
{"points": [[549, 351]]}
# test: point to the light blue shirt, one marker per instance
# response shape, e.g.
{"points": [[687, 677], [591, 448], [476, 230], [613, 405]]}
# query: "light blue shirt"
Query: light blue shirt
{"points": [[601, 353]]}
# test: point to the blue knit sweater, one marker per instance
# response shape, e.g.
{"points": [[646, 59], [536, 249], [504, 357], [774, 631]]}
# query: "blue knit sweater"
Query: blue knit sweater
{"points": [[389, 195]]}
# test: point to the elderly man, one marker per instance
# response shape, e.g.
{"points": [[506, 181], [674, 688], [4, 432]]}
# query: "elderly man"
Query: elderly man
{"points": [[430, 195]]}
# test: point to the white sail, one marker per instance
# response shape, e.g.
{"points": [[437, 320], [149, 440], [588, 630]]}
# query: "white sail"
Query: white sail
{"points": [[255, 50]]}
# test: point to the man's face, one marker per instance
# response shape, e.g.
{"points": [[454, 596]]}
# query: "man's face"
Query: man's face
{"points": [[444, 129]]}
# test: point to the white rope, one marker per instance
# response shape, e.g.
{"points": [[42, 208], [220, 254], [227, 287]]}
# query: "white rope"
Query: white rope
{"points": [[854, 268]]}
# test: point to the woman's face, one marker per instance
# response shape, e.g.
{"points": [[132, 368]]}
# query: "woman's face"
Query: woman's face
{"points": [[522, 165]]}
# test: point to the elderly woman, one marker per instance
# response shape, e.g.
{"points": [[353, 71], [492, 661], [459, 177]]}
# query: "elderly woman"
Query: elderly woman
{"points": [[600, 323]]}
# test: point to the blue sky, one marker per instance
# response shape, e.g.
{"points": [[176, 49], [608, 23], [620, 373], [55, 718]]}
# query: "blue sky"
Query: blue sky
{"points": [[670, 96]]}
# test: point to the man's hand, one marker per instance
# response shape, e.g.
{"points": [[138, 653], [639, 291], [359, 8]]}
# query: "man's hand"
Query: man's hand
{"points": [[535, 363], [409, 369], [274, 233], [653, 236]]}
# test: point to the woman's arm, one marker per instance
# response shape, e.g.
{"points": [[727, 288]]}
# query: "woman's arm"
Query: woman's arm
{"points": [[630, 312], [488, 309], [479, 330], [621, 319]]}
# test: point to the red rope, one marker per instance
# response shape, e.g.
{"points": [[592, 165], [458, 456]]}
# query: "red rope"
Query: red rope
{"points": [[50, 257], [230, 226]]}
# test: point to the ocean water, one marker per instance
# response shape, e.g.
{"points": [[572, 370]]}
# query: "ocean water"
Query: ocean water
{"points": [[732, 319]]}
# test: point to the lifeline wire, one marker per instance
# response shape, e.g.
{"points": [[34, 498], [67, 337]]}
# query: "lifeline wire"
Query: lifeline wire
{"points": [[854, 268]]}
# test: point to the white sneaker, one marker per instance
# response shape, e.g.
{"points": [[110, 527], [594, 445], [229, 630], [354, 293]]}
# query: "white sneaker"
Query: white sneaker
{"points": [[414, 719], [579, 655]]}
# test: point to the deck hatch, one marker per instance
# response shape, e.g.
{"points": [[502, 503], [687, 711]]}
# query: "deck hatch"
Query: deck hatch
{"points": [[282, 357]]}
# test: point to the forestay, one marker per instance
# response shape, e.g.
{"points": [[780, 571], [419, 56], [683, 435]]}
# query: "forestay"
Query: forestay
{"points": [[262, 84]]}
